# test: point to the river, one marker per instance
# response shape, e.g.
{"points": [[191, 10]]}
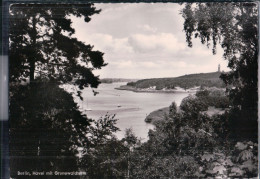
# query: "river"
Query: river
{"points": [[130, 107]]}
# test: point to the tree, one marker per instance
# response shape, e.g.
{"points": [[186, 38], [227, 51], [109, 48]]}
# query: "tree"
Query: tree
{"points": [[234, 27], [46, 127], [131, 142], [172, 109], [192, 106], [41, 44], [104, 157]]}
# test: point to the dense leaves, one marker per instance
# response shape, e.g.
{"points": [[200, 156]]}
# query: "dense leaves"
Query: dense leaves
{"points": [[234, 27], [41, 44], [111, 158], [49, 133], [191, 142], [197, 146], [46, 129]]}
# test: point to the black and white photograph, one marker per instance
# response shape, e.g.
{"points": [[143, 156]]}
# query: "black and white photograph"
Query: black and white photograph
{"points": [[133, 90]]}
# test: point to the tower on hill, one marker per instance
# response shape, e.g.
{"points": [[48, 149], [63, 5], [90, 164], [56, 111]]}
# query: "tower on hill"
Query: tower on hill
{"points": [[218, 67]]}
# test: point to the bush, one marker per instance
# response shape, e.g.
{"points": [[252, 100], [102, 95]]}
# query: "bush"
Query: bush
{"points": [[213, 97], [172, 109], [192, 106]]}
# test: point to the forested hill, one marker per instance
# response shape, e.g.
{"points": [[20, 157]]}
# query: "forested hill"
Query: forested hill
{"points": [[116, 80], [186, 81]]}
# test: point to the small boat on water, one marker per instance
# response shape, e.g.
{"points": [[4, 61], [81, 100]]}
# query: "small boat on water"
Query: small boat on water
{"points": [[119, 106]]}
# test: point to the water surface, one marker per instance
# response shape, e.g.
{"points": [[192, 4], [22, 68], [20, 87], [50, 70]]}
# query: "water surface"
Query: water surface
{"points": [[130, 107]]}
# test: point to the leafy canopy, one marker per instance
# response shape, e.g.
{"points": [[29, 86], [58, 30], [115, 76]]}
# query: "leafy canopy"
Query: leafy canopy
{"points": [[234, 27], [46, 128], [41, 44]]}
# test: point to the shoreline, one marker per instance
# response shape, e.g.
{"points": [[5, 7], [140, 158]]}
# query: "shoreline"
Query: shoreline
{"points": [[145, 90]]}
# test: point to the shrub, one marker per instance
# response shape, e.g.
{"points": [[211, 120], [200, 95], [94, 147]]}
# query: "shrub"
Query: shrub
{"points": [[192, 106], [172, 109]]}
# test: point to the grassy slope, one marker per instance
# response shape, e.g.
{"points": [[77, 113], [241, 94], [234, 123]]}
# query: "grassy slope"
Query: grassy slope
{"points": [[157, 115]]}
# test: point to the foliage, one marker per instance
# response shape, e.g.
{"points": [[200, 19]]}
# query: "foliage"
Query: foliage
{"points": [[189, 143], [240, 161], [187, 81], [41, 44], [213, 97], [102, 129], [46, 129], [116, 80], [241, 123], [46, 125], [170, 166], [111, 158], [194, 148], [47, 132], [172, 109], [234, 27], [106, 160], [192, 106], [130, 140]]}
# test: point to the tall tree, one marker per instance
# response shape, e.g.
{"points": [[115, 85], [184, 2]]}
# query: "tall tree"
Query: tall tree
{"points": [[46, 130], [234, 27], [41, 44], [46, 127]]}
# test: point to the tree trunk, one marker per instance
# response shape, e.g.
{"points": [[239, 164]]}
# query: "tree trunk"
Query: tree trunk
{"points": [[32, 59], [32, 68]]}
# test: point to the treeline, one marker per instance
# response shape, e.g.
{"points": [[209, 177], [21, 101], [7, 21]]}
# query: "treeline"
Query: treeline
{"points": [[187, 81], [115, 80]]}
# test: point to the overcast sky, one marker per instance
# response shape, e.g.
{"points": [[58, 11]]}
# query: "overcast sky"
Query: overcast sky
{"points": [[145, 40]]}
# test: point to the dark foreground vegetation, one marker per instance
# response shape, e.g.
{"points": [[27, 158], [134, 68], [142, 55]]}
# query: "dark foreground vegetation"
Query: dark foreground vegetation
{"points": [[49, 133], [212, 101]]}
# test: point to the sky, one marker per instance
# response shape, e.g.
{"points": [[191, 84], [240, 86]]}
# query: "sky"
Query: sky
{"points": [[145, 40]]}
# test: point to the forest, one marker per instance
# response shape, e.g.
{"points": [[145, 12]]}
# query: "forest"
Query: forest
{"points": [[49, 133], [115, 80], [186, 82]]}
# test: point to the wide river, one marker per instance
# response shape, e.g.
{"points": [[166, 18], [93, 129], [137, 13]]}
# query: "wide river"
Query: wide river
{"points": [[130, 107]]}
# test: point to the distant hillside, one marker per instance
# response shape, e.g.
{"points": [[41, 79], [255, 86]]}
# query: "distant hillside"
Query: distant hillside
{"points": [[116, 80], [186, 81]]}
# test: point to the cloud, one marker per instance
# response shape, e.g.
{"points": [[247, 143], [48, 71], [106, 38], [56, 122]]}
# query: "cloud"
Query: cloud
{"points": [[147, 28], [148, 64], [164, 42], [125, 64], [107, 43], [144, 40]]}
